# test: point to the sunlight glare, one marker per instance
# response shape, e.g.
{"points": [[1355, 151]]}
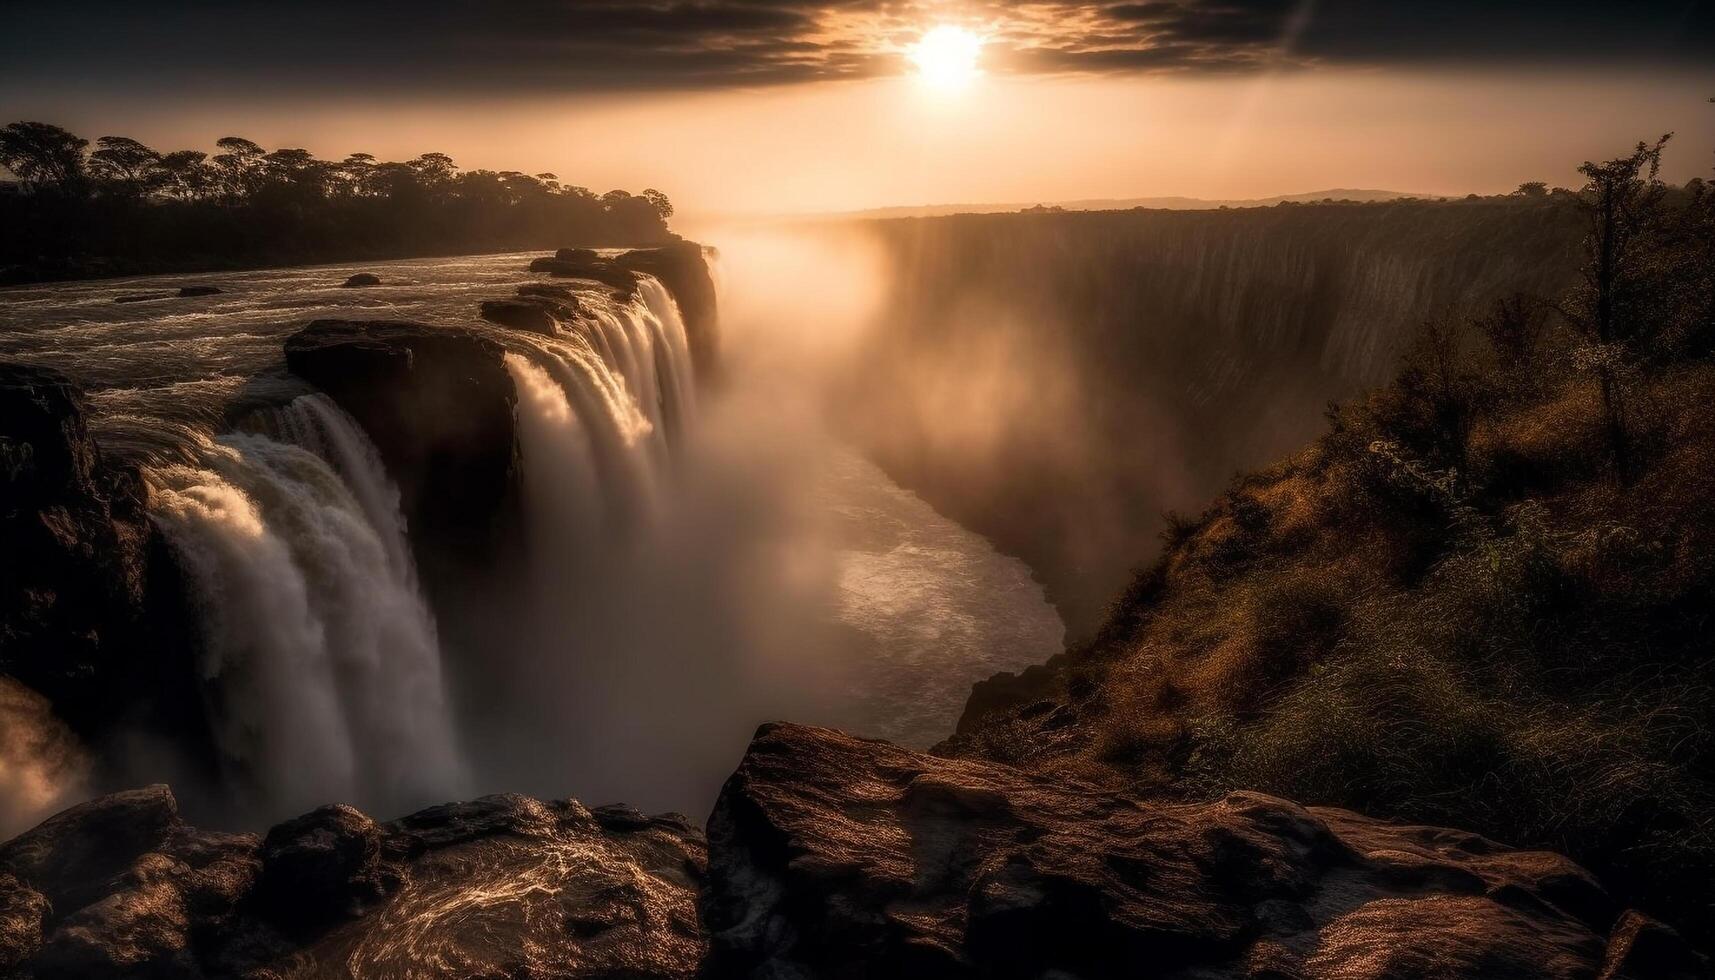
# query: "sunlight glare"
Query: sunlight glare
{"points": [[946, 58]]}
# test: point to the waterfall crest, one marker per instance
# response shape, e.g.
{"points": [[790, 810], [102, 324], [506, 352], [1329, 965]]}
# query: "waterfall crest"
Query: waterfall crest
{"points": [[625, 401], [322, 666]]}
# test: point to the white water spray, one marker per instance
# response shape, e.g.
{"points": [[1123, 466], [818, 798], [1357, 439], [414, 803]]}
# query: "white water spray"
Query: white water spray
{"points": [[322, 666]]}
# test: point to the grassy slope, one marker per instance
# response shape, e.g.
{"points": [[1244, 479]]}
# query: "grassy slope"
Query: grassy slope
{"points": [[1455, 606]]}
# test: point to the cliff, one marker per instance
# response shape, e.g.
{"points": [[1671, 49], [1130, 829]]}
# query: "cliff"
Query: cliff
{"points": [[92, 611], [1056, 381], [1479, 598]]}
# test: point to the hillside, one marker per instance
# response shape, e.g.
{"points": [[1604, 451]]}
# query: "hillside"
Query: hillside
{"points": [[1480, 597]]}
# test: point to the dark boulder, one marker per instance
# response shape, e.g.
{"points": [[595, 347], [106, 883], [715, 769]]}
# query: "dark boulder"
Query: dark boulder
{"points": [[437, 402], [551, 290], [362, 279], [322, 867], [533, 315], [502, 886], [70, 857], [91, 613], [595, 270], [186, 292], [577, 255], [142, 297], [836, 857]]}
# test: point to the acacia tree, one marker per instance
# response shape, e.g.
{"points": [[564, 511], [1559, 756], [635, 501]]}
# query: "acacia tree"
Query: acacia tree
{"points": [[44, 156], [1621, 201], [238, 166], [125, 167], [658, 200]]}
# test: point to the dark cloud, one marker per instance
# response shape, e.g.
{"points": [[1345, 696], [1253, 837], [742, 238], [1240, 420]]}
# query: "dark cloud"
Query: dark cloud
{"points": [[511, 45]]}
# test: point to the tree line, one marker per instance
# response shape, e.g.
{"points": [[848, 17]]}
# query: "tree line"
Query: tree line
{"points": [[124, 207]]}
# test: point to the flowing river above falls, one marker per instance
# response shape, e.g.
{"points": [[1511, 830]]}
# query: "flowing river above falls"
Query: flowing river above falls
{"points": [[781, 575]]}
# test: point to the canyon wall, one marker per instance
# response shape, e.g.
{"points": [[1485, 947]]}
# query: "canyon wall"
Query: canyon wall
{"points": [[1056, 381]]}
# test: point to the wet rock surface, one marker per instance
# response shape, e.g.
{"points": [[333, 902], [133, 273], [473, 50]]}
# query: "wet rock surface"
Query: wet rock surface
{"points": [[593, 269], [501, 886], [531, 313], [437, 403], [835, 857], [362, 279], [91, 616]]}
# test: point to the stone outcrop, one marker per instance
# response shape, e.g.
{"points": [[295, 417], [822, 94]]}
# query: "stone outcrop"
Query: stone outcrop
{"points": [[836, 857], [437, 403], [91, 612], [594, 269], [500, 886], [361, 279], [530, 313], [551, 290]]}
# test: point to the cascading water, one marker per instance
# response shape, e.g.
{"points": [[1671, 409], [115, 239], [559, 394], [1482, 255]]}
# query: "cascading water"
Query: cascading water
{"points": [[322, 666], [687, 572], [625, 399]]}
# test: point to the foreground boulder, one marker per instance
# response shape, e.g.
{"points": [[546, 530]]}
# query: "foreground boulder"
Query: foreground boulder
{"points": [[836, 857], [500, 886], [360, 280]]}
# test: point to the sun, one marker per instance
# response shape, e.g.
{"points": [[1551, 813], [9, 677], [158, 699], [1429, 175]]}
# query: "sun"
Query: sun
{"points": [[946, 58]]}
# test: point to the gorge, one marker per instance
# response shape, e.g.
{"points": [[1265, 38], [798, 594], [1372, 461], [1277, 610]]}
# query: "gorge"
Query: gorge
{"points": [[564, 533]]}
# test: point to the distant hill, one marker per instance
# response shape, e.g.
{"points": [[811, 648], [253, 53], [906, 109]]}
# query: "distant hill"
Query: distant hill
{"points": [[1127, 203]]}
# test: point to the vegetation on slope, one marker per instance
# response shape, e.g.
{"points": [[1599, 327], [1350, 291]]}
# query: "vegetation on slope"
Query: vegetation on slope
{"points": [[1482, 599], [125, 208], [1055, 381]]}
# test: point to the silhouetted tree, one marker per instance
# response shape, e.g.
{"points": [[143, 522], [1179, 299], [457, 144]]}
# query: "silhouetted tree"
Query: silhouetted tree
{"points": [[125, 167], [658, 200], [44, 156], [1621, 201], [247, 205]]}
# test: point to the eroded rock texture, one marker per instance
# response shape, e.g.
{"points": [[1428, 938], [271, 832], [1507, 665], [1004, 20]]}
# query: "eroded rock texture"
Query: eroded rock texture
{"points": [[91, 613], [503, 886], [836, 857]]}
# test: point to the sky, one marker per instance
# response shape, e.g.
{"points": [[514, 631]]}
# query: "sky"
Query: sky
{"points": [[739, 106]]}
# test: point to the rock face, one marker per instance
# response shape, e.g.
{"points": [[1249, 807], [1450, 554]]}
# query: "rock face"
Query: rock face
{"points": [[594, 269], [834, 857], [91, 613], [437, 402], [551, 290], [534, 314], [500, 886]]}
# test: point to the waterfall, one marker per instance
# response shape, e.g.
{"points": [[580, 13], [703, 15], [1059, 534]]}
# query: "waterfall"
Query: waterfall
{"points": [[625, 400], [321, 665]]}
